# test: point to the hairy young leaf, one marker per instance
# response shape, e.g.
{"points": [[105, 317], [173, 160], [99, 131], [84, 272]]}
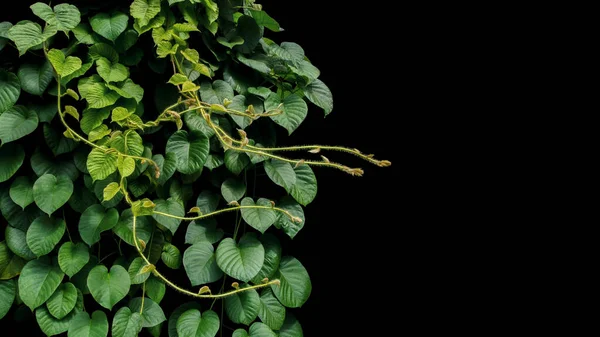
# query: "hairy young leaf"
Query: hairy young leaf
{"points": [[63, 65]]}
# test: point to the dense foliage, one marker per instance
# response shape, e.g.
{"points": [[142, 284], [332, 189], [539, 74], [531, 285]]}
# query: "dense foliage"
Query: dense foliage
{"points": [[128, 178]]}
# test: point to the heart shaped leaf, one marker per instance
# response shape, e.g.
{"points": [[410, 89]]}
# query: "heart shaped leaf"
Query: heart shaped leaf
{"points": [[108, 288]]}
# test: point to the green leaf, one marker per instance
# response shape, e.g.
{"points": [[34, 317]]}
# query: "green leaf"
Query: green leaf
{"points": [[259, 218], [44, 234], [78, 73], [4, 27], [155, 288], [111, 72], [64, 16], [216, 92], [195, 122], [294, 111], [80, 279], [290, 227], [194, 324], [263, 19], [241, 261], [98, 133], [190, 149], [203, 231], [43, 164], [128, 142], [27, 35], [258, 62], [250, 32], [63, 300], [10, 90], [8, 292], [281, 173], [63, 66], [93, 118], [233, 189], [171, 256], [16, 240], [38, 281], [236, 161], [271, 312], [242, 308], [50, 325], [111, 190], [200, 264], [111, 25], [21, 191], [135, 271], [126, 323], [83, 34], [272, 258], [35, 78], [51, 192], [97, 94], [239, 104], [295, 285], [305, 188], [108, 288], [11, 157], [144, 10], [288, 51], [240, 333], [101, 165], [214, 161], [169, 206], [96, 220], [10, 264], [230, 43], [259, 329], [84, 326], [306, 69], [72, 257], [100, 50], [124, 228], [152, 314], [57, 142], [127, 40], [167, 165], [318, 93], [291, 327], [14, 214], [129, 89], [17, 122]]}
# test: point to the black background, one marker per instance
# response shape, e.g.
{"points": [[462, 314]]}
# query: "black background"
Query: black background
{"points": [[344, 245]]}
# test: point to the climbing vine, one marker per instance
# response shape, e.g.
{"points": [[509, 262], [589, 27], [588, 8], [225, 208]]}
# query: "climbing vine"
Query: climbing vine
{"points": [[155, 116]]}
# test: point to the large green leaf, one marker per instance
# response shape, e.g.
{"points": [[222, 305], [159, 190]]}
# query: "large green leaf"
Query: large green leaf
{"points": [[305, 188], [200, 264], [271, 312], [17, 122], [190, 149], [111, 72], [203, 230], [64, 66], [10, 264], [38, 281], [284, 222], [44, 234], [62, 301], [318, 93], [128, 142], [124, 228], [29, 34], [242, 308], [10, 90], [95, 220], [128, 89], [21, 191], [233, 189], [101, 164], [294, 110], [241, 261], [152, 313], [64, 16], [41, 163], [265, 20], [11, 157], [144, 10], [295, 287], [8, 292], [110, 25], [35, 78], [259, 218], [51, 192], [126, 323], [288, 51], [95, 91], [291, 327], [272, 258], [172, 324], [72, 257], [281, 173], [171, 256], [50, 325], [83, 33], [194, 324], [108, 288], [236, 161], [169, 206], [84, 326], [16, 240]]}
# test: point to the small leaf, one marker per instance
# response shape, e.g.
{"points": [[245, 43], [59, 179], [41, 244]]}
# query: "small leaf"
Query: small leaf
{"points": [[200, 264], [62, 301], [294, 111], [259, 218], [44, 234], [11, 157], [83, 326], [99, 133], [95, 91], [108, 288], [70, 110], [111, 72], [51, 192], [21, 191], [17, 122], [291, 228], [38, 281], [72, 257], [305, 188], [135, 271], [233, 189], [171, 256], [178, 79], [241, 261], [64, 66], [111, 190], [169, 206], [318, 93], [96, 220]]}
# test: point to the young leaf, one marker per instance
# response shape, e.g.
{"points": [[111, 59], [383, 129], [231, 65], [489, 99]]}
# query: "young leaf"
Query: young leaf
{"points": [[63, 66], [101, 164], [144, 10]]}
